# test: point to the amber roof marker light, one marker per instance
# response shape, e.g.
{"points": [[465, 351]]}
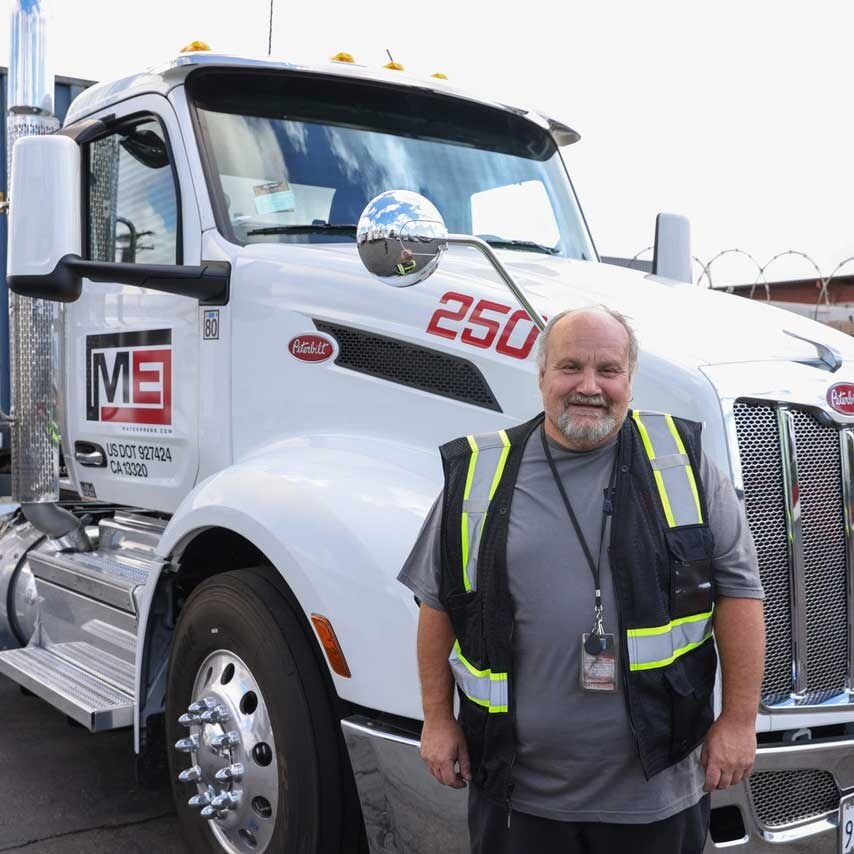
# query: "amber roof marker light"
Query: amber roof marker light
{"points": [[194, 46], [391, 64]]}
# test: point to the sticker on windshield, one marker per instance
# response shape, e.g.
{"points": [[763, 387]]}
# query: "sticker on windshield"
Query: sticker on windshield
{"points": [[274, 198]]}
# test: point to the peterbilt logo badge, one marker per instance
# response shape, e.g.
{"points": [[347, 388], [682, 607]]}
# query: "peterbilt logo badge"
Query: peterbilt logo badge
{"points": [[841, 398], [311, 348], [129, 377]]}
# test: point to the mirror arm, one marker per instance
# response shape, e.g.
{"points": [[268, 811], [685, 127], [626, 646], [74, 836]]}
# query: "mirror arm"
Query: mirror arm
{"points": [[208, 283], [486, 249]]}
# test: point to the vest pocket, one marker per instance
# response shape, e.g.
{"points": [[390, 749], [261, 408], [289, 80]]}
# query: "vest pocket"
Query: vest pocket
{"points": [[691, 586], [465, 610], [692, 711]]}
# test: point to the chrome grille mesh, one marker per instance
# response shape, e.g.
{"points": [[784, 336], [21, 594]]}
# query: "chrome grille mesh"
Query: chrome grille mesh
{"points": [[765, 505], [820, 475], [824, 546], [786, 797]]}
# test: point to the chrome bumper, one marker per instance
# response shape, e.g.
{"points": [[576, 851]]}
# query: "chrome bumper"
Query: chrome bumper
{"points": [[407, 812], [815, 835]]}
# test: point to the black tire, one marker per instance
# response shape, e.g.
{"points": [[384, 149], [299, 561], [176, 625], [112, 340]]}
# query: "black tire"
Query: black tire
{"points": [[245, 613]]}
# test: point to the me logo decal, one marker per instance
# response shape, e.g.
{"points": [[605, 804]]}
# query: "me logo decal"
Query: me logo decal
{"points": [[129, 377], [841, 398]]}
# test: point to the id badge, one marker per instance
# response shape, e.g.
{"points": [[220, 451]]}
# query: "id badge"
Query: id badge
{"points": [[599, 671]]}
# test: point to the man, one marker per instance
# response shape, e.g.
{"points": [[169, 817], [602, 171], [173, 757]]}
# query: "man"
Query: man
{"points": [[572, 571]]}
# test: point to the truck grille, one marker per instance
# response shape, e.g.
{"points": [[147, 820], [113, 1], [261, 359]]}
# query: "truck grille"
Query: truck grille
{"points": [[786, 797], [804, 575]]}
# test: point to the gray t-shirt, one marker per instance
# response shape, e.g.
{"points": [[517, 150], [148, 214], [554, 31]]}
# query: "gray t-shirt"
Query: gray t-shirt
{"points": [[576, 756]]}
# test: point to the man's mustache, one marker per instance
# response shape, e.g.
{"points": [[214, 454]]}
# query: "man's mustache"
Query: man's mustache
{"points": [[585, 400]]}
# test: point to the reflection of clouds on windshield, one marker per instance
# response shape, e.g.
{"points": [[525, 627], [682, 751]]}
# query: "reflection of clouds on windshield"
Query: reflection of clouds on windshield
{"points": [[376, 162], [297, 134], [247, 146]]}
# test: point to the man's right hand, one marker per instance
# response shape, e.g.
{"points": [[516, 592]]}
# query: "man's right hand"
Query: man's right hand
{"points": [[443, 745]]}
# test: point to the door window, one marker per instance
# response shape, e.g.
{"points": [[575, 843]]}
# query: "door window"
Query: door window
{"points": [[132, 198]]}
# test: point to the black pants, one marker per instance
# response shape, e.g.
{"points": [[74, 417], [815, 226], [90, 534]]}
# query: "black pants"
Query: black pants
{"points": [[683, 833]]}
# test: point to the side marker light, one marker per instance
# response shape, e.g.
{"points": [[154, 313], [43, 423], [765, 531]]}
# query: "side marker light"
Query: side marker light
{"points": [[330, 644]]}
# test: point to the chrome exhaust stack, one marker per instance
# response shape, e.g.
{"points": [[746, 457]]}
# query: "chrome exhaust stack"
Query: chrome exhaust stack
{"points": [[33, 323]]}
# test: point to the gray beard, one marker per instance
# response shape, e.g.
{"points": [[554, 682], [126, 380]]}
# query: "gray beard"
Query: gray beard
{"points": [[591, 432]]}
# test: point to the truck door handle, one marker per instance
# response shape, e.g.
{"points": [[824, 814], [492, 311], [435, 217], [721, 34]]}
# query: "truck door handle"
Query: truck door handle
{"points": [[89, 454]]}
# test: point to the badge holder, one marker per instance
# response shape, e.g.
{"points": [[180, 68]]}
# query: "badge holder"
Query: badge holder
{"points": [[598, 658]]}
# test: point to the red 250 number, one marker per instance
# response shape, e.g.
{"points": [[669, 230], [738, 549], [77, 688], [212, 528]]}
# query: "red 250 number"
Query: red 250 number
{"points": [[487, 321]]}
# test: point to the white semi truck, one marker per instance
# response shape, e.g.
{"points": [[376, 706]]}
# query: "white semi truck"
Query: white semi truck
{"points": [[249, 419]]}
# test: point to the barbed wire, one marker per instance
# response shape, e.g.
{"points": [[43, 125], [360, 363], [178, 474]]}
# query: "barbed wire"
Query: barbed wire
{"points": [[761, 278]]}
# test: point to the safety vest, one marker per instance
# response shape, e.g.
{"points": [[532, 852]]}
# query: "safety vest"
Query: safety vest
{"points": [[660, 550]]}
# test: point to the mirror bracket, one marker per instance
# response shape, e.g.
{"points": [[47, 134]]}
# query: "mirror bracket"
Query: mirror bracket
{"points": [[208, 283]]}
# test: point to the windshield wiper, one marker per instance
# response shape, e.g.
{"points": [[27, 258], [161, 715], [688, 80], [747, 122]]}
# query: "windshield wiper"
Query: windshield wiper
{"points": [[523, 244], [317, 228]]}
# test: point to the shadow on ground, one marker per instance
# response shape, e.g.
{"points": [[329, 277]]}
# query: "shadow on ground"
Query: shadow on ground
{"points": [[64, 790]]}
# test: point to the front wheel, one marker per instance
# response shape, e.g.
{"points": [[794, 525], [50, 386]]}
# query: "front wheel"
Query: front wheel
{"points": [[255, 765]]}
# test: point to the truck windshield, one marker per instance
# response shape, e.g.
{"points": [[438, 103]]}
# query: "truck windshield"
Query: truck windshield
{"points": [[295, 159]]}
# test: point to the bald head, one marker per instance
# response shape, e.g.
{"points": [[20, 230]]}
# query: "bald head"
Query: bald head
{"points": [[602, 311], [586, 358]]}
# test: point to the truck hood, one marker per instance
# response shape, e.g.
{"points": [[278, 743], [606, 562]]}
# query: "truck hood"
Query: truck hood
{"points": [[691, 324], [682, 323]]}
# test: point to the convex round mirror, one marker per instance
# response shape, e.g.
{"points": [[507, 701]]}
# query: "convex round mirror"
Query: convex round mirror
{"points": [[400, 237]]}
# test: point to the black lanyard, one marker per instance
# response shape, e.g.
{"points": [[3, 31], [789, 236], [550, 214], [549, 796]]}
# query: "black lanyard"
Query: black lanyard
{"points": [[607, 510]]}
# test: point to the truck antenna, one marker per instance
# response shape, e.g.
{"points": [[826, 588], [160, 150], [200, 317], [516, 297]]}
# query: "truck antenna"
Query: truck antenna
{"points": [[390, 57], [270, 32]]}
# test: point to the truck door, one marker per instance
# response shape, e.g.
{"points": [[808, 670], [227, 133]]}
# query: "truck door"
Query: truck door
{"points": [[131, 355]]}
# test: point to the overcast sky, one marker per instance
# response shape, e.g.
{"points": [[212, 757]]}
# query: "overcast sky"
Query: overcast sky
{"points": [[737, 114]]}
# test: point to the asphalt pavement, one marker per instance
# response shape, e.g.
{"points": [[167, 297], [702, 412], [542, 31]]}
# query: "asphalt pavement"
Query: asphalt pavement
{"points": [[64, 790]]}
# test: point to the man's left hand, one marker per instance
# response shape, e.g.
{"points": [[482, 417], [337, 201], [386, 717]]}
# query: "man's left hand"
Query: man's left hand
{"points": [[728, 752]]}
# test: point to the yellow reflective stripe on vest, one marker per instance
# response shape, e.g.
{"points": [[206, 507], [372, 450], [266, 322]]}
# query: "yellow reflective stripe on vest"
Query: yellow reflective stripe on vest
{"points": [[483, 687], [486, 467], [674, 476], [659, 646]]}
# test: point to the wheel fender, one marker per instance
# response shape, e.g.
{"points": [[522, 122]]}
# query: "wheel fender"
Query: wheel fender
{"points": [[337, 517]]}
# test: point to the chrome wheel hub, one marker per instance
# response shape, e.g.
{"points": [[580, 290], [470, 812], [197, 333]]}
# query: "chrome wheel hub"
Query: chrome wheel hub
{"points": [[232, 753]]}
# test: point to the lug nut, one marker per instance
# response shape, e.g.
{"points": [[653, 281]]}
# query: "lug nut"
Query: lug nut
{"points": [[218, 715], [189, 719], [226, 801], [200, 800], [225, 740], [190, 775], [188, 745], [230, 772], [211, 812], [202, 705]]}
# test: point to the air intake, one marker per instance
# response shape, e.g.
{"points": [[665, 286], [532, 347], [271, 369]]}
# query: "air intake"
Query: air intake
{"points": [[410, 365]]}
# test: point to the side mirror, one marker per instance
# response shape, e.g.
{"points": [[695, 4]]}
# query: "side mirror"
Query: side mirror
{"points": [[672, 258], [45, 232], [400, 237], [44, 217]]}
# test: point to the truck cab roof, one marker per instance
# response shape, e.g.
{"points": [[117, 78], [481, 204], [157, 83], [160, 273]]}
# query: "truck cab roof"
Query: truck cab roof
{"points": [[163, 78]]}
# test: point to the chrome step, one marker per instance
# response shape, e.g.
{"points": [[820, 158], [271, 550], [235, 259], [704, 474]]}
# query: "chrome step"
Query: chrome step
{"points": [[101, 665], [102, 576], [82, 696]]}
